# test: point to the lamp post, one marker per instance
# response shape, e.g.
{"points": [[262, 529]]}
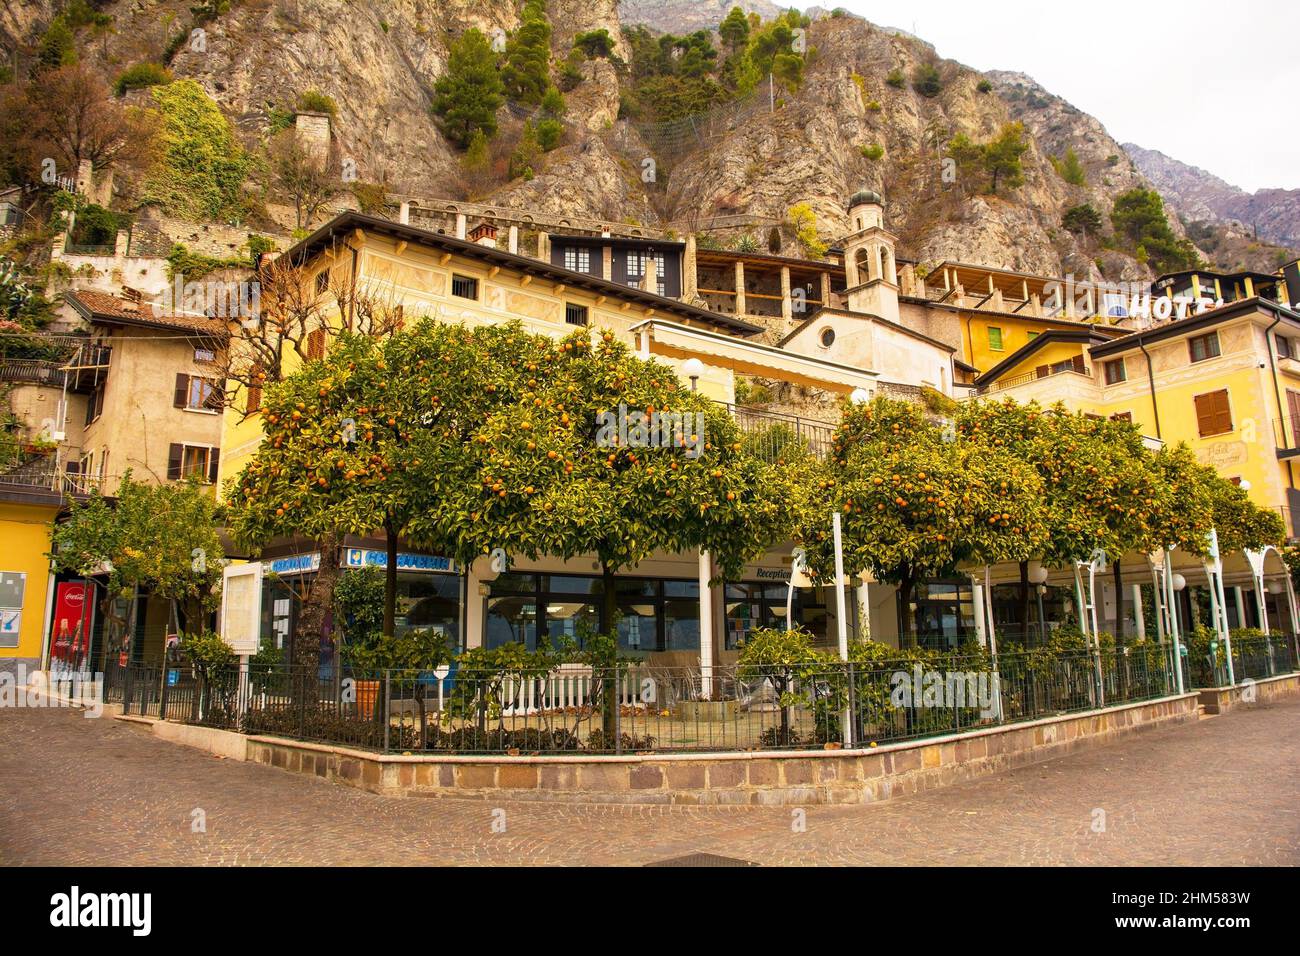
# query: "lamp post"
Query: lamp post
{"points": [[693, 368], [1038, 578]]}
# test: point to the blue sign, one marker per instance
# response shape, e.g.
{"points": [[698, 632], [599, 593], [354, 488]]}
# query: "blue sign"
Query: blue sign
{"points": [[297, 564], [173, 676], [362, 557]]}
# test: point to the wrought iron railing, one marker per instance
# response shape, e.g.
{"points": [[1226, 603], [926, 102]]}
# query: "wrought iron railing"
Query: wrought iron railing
{"points": [[641, 707], [779, 438]]}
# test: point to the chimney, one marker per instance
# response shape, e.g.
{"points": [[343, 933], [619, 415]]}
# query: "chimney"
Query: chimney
{"points": [[404, 213], [513, 240], [485, 234]]}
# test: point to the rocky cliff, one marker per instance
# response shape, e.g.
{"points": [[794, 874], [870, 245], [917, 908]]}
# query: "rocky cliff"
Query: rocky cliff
{"points": [[857, 119], [1198, 195]]}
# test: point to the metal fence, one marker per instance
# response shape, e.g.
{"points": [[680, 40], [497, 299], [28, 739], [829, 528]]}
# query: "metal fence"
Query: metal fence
{"points": [[640, 707]]}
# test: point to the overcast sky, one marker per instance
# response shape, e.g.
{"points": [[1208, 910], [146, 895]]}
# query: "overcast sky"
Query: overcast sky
{"points": [[1212, 83]]}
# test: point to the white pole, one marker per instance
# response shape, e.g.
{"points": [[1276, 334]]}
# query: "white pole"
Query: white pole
{"points": [[993, 640], [1171, 604], [841, 619], [706, 628]]}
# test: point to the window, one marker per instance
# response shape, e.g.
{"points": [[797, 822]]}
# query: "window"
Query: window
{"points": [[1204, 347], [94, 404], [465, 287], [575, 314], [576, 259], [197, 394], [828, 337], [322, 281], [315, 345], [192, 461], [635, 265], [1284, 347], [1115, 371], [1213, 416], [13, 587], [995, 338]]}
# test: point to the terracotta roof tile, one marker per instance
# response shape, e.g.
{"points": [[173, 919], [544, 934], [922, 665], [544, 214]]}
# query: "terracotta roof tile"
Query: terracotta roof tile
{"points": [[101, 305]]}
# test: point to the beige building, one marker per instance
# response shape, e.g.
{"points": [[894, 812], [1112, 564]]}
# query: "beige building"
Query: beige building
{"points": [[156, 410]]}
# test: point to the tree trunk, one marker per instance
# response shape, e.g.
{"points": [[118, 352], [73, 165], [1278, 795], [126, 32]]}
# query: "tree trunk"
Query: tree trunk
{"points": [[316, 607], [1024, 603], [906, 637], [390, 580], [609, 686]]}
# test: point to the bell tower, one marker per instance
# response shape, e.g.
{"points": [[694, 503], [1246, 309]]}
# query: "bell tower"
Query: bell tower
{"points": [[869, 264]]}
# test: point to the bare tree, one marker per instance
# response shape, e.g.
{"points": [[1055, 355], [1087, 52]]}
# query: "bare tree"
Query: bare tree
{"points": [[296, 316], [68, 115], [305, 176]]}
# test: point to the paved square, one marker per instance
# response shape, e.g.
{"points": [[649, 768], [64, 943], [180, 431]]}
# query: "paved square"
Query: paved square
{"points": [[92, 792]]}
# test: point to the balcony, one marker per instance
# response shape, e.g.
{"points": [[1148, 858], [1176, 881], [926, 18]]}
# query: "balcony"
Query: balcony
{"points": [[53, 474], [777, 438], [82, 371], [1286, 437], [1003, 384]]}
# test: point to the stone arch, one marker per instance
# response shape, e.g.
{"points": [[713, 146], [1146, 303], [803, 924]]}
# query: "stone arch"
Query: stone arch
{"points": [[862, 262]]}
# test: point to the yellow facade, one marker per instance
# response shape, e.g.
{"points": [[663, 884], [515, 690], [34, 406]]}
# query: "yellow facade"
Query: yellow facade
{"points": [[394, 270], [25, 530], [1161, 385]]}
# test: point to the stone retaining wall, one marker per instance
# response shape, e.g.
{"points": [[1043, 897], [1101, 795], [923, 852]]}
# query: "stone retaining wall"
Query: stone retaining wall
{"points": [[1220, 700], [760, 777]]}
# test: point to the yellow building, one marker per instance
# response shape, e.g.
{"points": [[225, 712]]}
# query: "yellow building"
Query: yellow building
{"points": [[26, 517], [1226, 382]]}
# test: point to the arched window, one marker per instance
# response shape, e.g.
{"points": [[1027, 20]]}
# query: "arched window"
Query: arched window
{"points": [[863, 261], [884, 263]]}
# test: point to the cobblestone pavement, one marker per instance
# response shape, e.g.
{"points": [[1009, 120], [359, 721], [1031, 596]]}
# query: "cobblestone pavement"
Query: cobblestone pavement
{"points": [[75, 791]]}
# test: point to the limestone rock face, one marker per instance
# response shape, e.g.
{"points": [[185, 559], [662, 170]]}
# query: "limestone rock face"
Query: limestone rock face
{"points": [[737, 172], [1199, 195]]}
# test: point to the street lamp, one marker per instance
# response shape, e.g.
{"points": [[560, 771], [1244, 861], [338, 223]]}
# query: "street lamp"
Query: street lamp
{"points": [[693, 368], [859, 396]]}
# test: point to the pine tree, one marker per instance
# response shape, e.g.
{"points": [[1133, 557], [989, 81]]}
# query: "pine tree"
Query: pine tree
{"points": [[528, 56], [468, 96]]}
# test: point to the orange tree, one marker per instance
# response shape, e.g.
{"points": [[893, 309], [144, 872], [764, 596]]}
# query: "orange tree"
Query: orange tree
{"points": [[372, 436], [917, 500], [574, 465], [1101, 486]]}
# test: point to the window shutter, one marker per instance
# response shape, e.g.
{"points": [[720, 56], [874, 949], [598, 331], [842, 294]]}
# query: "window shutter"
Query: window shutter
{"points": [[1213, 414], [174, 453], [254, 398], [214, 457], [182, 395]]}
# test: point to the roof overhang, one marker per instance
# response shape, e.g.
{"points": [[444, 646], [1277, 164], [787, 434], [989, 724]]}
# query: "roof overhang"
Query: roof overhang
{"points": [[346, 225], [672, 340]]}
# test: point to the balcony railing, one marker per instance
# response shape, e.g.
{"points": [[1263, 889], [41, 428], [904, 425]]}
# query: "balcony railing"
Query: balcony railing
{"points": [[46, 473], [1286, 435], [779, 438], [1003, 384], [82, 370]]}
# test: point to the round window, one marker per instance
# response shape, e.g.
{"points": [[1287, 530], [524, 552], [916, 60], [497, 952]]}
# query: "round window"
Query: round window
{"points": [[828, 337]]}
